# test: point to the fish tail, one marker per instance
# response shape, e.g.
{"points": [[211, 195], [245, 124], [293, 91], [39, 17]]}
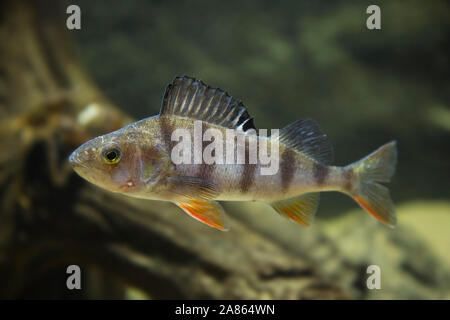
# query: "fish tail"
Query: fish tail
{"points": [[365, 189]]}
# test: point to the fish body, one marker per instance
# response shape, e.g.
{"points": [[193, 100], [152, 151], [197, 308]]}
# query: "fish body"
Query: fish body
{"points": [[215, 136]]}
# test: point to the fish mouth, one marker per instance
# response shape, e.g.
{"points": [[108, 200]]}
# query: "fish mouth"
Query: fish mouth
{"points": [[75, 161]]}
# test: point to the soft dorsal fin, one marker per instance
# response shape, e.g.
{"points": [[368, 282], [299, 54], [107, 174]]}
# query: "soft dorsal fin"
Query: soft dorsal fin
{"points": [[191, 98], [305, 136]]}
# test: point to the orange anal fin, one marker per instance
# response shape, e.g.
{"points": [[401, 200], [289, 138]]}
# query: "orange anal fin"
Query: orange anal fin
{"points": [[300, 209], [210, 213]]}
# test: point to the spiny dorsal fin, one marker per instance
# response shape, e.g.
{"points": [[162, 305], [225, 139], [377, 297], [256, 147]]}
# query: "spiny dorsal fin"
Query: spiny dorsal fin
{"points": [[305, 136], [300, 209], [191, 98]]}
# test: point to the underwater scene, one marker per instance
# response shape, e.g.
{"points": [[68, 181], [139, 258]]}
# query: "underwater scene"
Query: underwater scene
{"points": [[262, 150]]}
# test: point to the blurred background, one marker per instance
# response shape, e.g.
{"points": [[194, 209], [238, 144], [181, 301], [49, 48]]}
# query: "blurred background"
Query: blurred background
{"points": [[289, 60]]}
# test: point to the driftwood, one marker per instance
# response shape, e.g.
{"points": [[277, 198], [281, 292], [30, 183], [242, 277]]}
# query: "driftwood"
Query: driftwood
{"points": [[50, 218]]}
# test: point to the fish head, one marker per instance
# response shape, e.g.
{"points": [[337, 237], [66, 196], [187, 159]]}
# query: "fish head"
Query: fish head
{"points": [[123, 161]]}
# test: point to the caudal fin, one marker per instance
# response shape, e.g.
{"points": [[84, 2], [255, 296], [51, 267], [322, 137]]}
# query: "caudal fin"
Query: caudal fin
{"points": [[377, 167]]}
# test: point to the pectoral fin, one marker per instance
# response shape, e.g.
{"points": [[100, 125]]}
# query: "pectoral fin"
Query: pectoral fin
{"points": [[300, 209], [210, 213], [193, 187]]}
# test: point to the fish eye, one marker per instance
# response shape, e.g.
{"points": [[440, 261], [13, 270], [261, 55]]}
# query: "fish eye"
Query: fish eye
{"points": [[112, 155]]}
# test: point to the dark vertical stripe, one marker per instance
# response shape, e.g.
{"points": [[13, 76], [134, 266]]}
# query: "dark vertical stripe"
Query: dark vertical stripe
{"points": [[348, 176], [249, 170], [206, 171], [248, 177], [166, 129], [320, 173], [287, 168]]}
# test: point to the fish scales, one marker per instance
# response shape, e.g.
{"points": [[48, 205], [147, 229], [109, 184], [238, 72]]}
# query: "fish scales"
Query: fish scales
{"points": [[143, 160]]}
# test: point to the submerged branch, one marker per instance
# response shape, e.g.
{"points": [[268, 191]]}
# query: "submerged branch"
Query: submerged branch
{"points": [[50, 218]]}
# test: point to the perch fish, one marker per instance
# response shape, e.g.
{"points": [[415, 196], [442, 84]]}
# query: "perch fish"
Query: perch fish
{"points": [[137, 161]]}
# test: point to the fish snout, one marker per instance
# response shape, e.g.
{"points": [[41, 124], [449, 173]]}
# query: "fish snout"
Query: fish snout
{"points": [[74, 159]]}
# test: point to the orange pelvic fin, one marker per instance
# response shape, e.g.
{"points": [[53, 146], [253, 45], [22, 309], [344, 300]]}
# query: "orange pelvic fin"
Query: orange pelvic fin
{"points": [[210, 213], [300, 209]]}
